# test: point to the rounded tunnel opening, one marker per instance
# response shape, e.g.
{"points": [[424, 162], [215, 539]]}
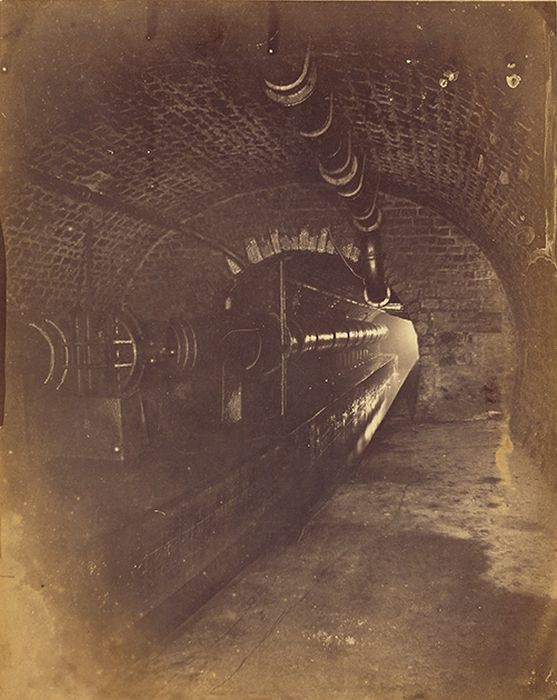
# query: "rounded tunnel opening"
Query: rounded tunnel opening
{"points": [[195, 379]]}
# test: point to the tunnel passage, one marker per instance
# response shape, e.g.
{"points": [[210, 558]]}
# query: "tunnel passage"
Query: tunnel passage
{"points": [[83, 198], [450, 290], [194, 442], [217, 434], [148, 178]]}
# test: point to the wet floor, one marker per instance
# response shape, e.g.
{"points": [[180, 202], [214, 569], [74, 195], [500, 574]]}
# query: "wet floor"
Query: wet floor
{"points": [[430, 576]]}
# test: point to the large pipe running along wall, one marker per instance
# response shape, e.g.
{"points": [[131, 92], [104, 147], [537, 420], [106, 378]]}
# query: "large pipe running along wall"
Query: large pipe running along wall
{"points": [[342, 163], [86, 354], [355, 334]]}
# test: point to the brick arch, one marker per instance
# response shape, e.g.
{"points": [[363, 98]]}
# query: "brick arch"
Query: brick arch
{"points": [[176, 280], [250, 249], [177, 128], [255, 225], [170, 132], [450, 289]]}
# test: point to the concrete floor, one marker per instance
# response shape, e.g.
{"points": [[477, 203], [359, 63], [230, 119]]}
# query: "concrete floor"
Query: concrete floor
{"points": [[430, 576]]}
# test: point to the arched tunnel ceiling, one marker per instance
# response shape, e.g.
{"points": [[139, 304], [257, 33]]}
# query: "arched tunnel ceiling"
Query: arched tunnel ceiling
{"points": [[160, 106]]}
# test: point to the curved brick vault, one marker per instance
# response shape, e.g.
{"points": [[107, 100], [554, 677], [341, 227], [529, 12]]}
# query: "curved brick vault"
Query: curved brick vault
{"points": [[120, 123], [447, 285]]}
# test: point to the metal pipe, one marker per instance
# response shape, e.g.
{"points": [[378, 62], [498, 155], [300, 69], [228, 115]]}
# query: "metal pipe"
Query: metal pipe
{"points": [[354, 186], [316, 132], [342, 167], [297, 82], [369, 223], [300, 94], [376, 290], [344, 177], [337, 162], [324, 338]]}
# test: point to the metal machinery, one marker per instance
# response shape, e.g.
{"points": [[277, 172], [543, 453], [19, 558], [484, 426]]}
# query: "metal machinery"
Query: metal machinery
{"points": [[116, 383], [165, 453]]}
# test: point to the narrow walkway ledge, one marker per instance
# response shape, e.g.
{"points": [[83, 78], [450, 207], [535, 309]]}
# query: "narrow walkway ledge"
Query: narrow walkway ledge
{"points": [[430, 576]]}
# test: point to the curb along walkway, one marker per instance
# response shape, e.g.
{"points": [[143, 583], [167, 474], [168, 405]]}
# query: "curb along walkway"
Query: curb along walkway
{"points": [[430, 576]]}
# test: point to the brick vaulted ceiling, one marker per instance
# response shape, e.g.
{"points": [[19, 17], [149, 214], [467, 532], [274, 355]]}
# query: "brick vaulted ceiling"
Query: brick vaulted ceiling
{"points": [[117, 113]]}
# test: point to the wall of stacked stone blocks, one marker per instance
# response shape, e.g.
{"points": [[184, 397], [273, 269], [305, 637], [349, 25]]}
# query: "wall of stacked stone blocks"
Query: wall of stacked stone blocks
{"points": [[184, 129]]}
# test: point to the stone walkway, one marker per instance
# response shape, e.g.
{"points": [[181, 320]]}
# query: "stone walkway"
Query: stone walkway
{"points": [[430, 576]]}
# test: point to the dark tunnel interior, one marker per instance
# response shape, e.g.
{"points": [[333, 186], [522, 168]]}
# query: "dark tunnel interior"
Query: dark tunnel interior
{"points": [[239, 238]]}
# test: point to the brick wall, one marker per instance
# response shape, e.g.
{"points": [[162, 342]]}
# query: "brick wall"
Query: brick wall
{"points": [[451, 291], [179, 125], [460, 310], [533, 407], [131, 550], [185, 125]]}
